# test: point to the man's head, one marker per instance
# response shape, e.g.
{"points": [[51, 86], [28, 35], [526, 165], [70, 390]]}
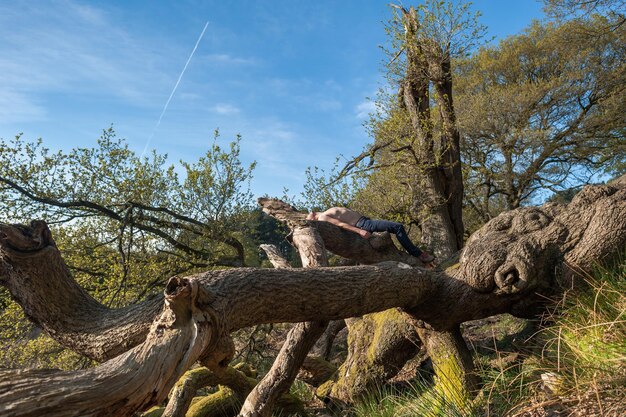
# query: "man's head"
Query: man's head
{"points": [[312, 215]]}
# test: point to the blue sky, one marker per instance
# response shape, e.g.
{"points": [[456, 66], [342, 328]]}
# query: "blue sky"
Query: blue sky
{"points": [[292, 77]]}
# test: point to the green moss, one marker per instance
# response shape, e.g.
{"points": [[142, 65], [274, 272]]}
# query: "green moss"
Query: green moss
{"points": [[323, 391], [223, 403], [368, 340], [386, 324], [154, 412], [449, 381], [245, 368], [193, 374]]}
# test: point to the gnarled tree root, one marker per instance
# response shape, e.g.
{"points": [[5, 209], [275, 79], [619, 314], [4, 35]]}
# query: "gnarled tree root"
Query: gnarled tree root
{"points": [[122, 386]]}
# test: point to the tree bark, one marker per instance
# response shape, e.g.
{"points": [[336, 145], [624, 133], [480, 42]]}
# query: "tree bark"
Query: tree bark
{"points": [[133, 381], [379, 344], [429, 63], [457, 382], [450, 146], [316, 370], [260, 402], [276, 258], [34, 273], [300, 339], [510, 265], [32, 269], [236, 382], [371, 360], [378, 248], [439, 188], [324, 345], [508, 258]]}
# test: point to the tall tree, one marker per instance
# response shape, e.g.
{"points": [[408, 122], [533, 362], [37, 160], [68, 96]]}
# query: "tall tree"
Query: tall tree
{"points": [[541, 111], [415, 170], [612, 9], [415, 158]]}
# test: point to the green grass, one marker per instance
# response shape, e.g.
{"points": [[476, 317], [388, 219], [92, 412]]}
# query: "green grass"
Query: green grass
{"points": [[581, 353], [579, 360], [421, 398], [384, 402], [589, 335]]}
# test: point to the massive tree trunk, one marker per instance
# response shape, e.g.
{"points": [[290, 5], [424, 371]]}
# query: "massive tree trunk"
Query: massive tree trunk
{"points": [[38, 274], [82, 324], [428, 62], [439, 184], [510, 265], [130, 382], [379, 344]]}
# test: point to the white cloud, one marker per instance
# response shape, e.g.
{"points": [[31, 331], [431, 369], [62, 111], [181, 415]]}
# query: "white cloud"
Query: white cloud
{"points": [[74, 49], [228, 59], [329, 105], [225, 109], [364, 108], [18, 107]]}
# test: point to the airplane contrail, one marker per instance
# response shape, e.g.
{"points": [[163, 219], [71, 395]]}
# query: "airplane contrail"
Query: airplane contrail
{"points": [[167, 103]]}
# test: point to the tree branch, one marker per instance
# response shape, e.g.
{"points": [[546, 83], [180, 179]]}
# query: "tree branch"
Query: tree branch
{"points": [[510, 265]]}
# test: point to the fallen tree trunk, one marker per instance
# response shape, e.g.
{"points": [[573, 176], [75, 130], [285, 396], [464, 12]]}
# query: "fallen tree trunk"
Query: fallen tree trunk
{"points": [[99, 332], [131, 382], [510, 265], [32, 269], [379, 248], [379, 344]]}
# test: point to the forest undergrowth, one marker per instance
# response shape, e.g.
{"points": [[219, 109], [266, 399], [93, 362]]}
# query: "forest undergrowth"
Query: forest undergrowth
{"points": [[572, 364]]}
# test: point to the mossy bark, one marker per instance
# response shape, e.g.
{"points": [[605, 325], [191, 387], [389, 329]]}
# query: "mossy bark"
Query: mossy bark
{"points": [[228, 399], [237, 378], [379, 344], [455, 378], [513, 264], [222, 403], [153, 412]]}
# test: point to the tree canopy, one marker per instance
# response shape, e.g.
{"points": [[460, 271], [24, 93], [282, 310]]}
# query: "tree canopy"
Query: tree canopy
{"points": [[542, 111]]}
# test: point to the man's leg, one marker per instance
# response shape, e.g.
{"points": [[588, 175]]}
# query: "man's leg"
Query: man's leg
{"points": [[398, 230]]}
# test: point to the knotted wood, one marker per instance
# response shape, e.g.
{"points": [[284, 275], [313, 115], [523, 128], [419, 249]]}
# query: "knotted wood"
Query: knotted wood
{"points": [[510, 265]]}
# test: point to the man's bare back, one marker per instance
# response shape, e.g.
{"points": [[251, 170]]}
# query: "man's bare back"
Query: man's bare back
{"points": [[342, 217], [343, 214]]}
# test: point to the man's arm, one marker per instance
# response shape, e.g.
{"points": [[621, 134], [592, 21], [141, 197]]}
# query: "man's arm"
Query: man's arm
{"points": [[325, 218]]}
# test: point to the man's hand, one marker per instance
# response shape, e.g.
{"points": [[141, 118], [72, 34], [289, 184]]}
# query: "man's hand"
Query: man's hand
{"points": [[365, 234]]}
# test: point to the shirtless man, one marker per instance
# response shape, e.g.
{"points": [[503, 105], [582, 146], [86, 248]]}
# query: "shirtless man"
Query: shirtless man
{"points": [[364, 226]]}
